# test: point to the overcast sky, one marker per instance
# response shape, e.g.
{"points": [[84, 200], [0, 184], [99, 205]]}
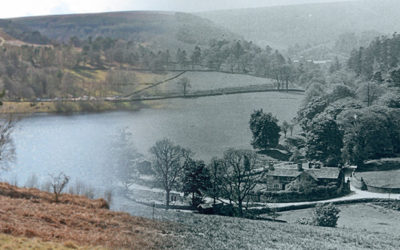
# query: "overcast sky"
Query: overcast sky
{"points": [[18, 8]]}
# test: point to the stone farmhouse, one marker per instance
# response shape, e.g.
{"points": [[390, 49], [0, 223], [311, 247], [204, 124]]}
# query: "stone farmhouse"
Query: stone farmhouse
{"points": [[281, 178]]}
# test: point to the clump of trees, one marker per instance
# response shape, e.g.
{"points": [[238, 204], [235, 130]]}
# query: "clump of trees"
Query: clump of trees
{"points": [[232, 177], [379, 61], [265, 130], [51, 71], [349, 123]]}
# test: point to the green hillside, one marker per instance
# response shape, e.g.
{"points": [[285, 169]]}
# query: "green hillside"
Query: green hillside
{"points": [[285, 26], [157, 29]]}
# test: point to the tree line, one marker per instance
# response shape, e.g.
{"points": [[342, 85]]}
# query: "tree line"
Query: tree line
{"points": [[60, 70], [379, 61], [351, 113]]}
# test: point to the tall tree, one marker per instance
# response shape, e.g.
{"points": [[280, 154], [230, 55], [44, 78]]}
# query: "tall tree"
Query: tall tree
{"points": [[324, 141], [168, 164], [242, 173], [217, 170], [285, 127], [369, 92], [369, 134], [265, 130], [196, 180], [196, 56]]}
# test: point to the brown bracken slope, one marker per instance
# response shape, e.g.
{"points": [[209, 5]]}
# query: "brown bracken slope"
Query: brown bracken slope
{"points": [[32, 213]]}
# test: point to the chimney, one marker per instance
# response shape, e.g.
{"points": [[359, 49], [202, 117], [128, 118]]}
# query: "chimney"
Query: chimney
{"points": [[300, 166]]}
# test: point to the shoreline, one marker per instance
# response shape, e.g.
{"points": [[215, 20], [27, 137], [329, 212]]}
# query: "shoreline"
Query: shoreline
{"points": [[67, 107], [123, 104]]}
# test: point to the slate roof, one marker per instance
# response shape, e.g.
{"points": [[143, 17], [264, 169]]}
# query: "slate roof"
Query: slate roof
{"points": [[326, 173], [321, 173]]}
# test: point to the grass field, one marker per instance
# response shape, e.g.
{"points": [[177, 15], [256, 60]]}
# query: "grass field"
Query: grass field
{"points": [[217, 232], [220, 232], [390, 178], [368, 217], [200, 81]]}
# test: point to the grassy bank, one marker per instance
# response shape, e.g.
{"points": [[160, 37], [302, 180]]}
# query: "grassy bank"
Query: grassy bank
{"points": [[366, 216], [75, 221], [221, 232], [10, 242], [66, 107], [30, 217], [218, 232]]}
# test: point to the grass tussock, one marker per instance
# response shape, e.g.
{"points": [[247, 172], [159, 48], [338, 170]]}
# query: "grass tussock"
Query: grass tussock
{"points": [[9, 242], [32, 213]]}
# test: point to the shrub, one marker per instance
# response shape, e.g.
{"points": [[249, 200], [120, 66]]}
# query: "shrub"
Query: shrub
{"points": [[65, 107], [326, 215], [363, 185], [304, 221], [58, 183]]}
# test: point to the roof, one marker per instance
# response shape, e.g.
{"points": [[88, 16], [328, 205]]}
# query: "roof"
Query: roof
{"points": [[317, 173], [284, 172], [326, 173]]}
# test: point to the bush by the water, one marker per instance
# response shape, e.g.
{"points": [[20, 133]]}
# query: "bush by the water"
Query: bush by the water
{"points": [[326, 215]]}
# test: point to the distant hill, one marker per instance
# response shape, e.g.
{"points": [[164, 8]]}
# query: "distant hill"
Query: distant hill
{"points": [[158, 29], [312, 24], [11, 30]]}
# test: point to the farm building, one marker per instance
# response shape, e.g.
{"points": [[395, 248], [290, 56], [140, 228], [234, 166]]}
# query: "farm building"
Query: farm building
{"points": [[287, 177]]}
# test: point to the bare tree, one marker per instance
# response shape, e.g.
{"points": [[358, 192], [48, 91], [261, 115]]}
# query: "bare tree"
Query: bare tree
{"points": [[168, 164], [242, 174], [217, 170], [7, 147], [369, 92], [58, 183], [285, 127], [185, 83]]}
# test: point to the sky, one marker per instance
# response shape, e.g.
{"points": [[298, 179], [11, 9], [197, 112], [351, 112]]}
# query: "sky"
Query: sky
{"points": [[19, 8]]}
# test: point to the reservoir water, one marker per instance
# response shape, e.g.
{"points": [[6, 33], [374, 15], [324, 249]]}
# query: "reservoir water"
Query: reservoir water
{"points": [[81, 145]]}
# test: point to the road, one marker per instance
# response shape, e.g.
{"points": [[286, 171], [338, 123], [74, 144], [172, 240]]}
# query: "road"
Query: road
{"points": [[356, 194]]}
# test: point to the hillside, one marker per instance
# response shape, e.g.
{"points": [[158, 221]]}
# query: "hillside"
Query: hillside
{"points": [[29, 218], [75, 220], [12, 30], [313, 24], [160, 30]]}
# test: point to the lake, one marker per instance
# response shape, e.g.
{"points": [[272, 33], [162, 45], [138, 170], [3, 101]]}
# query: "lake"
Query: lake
{"points": [[82, 145]]}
